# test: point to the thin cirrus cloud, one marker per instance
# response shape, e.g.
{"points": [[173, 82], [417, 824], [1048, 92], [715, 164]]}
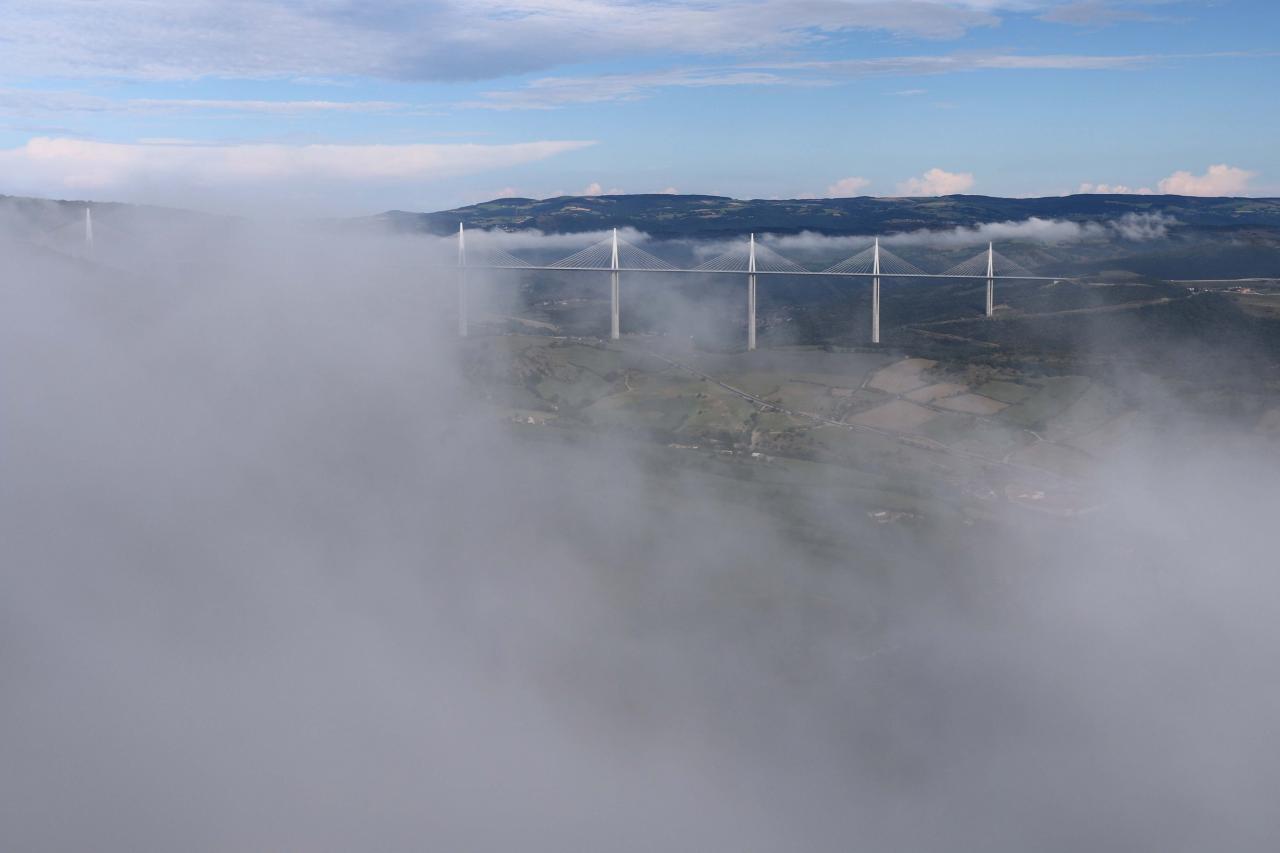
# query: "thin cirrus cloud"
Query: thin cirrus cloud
{"points": [[1094, 13], [955, 62], [554, 92], [49, 163], [548, 93], [263, 106], [436, 39], [36, 101]]}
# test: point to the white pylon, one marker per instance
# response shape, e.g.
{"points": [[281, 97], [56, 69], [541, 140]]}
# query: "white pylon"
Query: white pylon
{"points": [[751, 296], [462, 281], [991, 279], [88, 227], [875, 296], [615, 326]]}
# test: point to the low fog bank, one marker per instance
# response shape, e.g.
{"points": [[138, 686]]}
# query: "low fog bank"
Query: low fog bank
{"points": [[273, 581], [1131, 227]]}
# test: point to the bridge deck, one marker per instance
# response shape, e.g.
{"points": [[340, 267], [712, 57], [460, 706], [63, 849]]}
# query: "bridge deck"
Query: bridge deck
{"points": [[997, 277]]}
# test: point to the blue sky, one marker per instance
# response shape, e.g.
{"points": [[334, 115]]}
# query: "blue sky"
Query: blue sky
{"points": [[335, 107]]}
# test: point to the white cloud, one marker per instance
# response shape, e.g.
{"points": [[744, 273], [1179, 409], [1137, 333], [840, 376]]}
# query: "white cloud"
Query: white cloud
{"points": [[77, 164], [669, 191], [1218, 180], [596, 188], [846, 187], [1113, 189], [936, 182]]}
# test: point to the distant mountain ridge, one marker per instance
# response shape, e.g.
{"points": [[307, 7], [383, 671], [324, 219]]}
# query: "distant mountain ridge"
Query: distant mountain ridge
{"points": [[667, 216], [676, 216]]}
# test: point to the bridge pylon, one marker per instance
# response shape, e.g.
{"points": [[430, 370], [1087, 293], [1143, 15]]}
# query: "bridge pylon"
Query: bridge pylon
{"points": [[751, 295], [991, 279]]}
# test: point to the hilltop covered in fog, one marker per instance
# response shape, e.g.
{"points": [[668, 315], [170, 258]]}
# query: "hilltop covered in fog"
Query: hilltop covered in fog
{"points": [[1164, 236], [1133, 266], [683, 215], [290, 566], [1160, 236]]}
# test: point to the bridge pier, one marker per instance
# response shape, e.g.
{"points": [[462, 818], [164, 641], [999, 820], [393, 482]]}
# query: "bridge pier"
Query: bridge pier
{"points": [[875, 310], [463, 322], [875, 296], [751, 296], [615, 318], [462, 282]]}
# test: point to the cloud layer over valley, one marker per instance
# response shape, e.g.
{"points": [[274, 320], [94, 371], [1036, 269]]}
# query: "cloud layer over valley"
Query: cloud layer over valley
{"points": [[276, 578]]}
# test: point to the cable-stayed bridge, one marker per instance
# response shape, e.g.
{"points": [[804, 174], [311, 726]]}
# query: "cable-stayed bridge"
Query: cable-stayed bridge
{"points": [[750, 258]]}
